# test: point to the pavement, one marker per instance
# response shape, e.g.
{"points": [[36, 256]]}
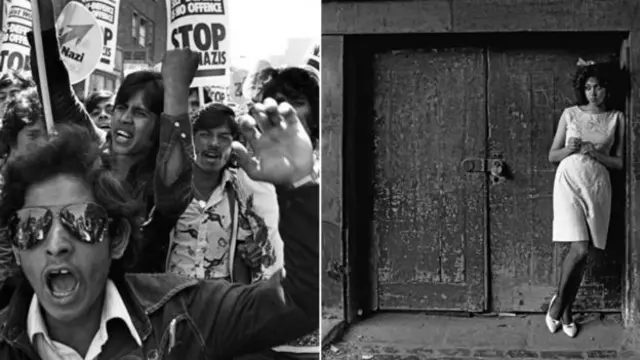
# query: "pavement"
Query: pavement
{"points": [[415, 336]]}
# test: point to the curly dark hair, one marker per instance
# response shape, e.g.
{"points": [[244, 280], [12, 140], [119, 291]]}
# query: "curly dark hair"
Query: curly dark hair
{"points": [[214, 115], [24, 109], [15, 78], [73, 152], [95, 98], [609, 76], [296, 83]]}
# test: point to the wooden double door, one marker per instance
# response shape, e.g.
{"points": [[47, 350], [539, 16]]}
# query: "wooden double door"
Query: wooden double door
{"points": [[462, 188]]}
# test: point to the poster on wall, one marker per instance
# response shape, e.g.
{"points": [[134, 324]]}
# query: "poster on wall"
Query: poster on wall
{"points": [[15, 49], [106, 13], [203, 27]]}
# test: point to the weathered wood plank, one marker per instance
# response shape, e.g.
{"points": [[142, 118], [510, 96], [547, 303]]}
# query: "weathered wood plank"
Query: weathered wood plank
{"points": [[438, 16], [386, 17], [332, 210], [428, 213], [542, 15]]}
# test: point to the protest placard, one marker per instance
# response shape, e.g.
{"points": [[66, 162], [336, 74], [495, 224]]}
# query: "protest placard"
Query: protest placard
{"points": [[106, 13], [80, 40], [238, 77], [237, 98], [6, 4], [14, 53], [202, 26]]}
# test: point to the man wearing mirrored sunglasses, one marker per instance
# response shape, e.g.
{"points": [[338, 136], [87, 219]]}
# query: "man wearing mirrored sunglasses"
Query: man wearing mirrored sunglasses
{"points": [[73, 230]]}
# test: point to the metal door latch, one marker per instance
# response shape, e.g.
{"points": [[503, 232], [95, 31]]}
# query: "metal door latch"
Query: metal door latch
{"points": [[497, 171], [495, 168]]}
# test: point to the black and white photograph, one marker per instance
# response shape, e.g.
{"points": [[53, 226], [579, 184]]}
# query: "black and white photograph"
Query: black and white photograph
{"points": [[160, 179], [480, 179]]}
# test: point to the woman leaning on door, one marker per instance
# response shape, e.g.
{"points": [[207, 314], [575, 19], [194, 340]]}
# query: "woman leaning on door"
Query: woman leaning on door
{"points": [[587, 144]]}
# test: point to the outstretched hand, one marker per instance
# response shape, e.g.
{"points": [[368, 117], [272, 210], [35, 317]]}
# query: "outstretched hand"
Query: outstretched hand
{"points": [[282, 149]]}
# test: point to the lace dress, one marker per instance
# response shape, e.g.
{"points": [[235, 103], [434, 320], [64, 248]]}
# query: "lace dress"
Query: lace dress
{"points": [[582, 187]]}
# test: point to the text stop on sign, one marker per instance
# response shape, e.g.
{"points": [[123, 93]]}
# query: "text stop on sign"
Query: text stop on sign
{"points": [[202, 27], [204, 37]]}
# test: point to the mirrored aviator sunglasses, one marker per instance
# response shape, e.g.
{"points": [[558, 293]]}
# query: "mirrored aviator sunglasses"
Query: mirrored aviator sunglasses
{"points": [[29, 227]]}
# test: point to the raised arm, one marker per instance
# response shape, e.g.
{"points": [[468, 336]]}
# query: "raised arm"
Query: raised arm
{"points": [[285, 307], [65, 106], [173, 176]]}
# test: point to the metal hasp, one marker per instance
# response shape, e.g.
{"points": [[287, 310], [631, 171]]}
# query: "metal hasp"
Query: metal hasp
{"points": [[495, 167], [497, 171]]}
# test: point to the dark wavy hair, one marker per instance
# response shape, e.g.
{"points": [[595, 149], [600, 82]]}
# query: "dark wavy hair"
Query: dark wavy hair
{"points": [[23, 110], [95, 98], [214, 115], [296, 84], [609, 76], [73, 152], [15, 78], [150, 83]]}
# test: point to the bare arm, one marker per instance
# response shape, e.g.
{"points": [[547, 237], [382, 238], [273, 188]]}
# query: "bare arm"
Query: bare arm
{"points": [[558, 150], [615, 160]]}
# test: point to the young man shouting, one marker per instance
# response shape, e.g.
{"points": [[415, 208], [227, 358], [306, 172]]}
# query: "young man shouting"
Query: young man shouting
{"points": [[73, 226]]}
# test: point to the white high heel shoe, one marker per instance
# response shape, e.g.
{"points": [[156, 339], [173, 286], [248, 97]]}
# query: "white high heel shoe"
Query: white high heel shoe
{"points": [[571, 330], [553, 325]]}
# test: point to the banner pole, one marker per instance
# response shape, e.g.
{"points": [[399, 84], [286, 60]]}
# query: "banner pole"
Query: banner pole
{"points": [[42, 71], [201, 95], [87, 87]]}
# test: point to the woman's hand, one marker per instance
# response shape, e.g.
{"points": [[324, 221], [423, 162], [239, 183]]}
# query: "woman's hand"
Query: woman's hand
{"points": [[574, 144], [587, 148]]}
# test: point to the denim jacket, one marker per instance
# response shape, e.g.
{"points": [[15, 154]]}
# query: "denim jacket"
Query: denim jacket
{"points": [[182, 318]]}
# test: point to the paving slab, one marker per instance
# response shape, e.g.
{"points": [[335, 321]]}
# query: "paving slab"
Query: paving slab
{"points": [[415, 336]]}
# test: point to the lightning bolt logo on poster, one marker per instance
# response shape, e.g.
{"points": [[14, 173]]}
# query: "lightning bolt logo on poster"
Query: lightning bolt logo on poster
{"points": [[81, 40], [68, 33]]}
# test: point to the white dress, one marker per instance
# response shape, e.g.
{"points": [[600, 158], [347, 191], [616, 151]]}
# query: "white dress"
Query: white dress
{"points": [[582, 187]]}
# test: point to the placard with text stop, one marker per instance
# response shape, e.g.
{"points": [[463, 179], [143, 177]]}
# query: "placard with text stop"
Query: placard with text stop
{"points": [[202, 27]]}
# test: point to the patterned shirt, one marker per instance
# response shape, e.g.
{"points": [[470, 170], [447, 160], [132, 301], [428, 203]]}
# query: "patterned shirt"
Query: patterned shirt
{"points": [[113, 308], [201, 240]]}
